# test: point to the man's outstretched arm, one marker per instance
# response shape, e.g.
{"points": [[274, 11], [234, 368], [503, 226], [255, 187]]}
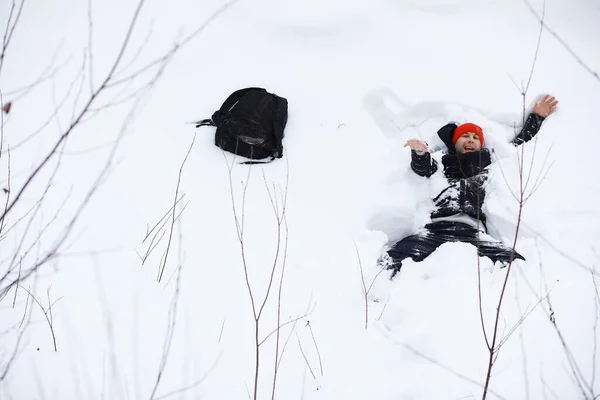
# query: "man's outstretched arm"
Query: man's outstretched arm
{"points": [[421, 162], [541, 110]]}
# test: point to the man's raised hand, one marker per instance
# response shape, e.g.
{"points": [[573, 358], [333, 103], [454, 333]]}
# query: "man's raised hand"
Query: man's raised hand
{"points": [[417, 145], [546, 106]]}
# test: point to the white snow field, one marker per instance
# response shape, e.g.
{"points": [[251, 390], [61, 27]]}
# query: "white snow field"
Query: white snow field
{"points": [[107, 293]]}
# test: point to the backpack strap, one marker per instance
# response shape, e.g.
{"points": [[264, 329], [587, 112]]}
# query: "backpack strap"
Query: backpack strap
{"points": [[257, 162], [204, 122]]}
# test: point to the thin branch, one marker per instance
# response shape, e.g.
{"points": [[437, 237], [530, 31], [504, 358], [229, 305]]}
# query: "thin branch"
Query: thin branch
{"points": [[172, 318], [100, 178], [48, 319], [50, 118], [525, 363], [83, 112], [493, 349], [193, 385], [537, 47], [304, 355], [4, 109], [81, 76], [485, 336], [7, 190], [48, 73], [292, 331], [15, 351], [222, 328], [10, 30], [17, 252], [162, 269], [90, 45], [595, 346], [17, 284], [563, 43], [439, 364], [508, 186], [280, 290], [153, 245], [316, 347], [25, 312], [521, 320], [163, 220], [284, 324], [576, 373], [185, 41], [364, 286], [541, 177], [277, 248], [552, 392], [239, 224]]}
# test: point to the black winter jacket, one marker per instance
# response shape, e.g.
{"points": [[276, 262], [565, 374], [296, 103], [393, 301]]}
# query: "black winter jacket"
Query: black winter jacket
{"points": [[466, 173]]}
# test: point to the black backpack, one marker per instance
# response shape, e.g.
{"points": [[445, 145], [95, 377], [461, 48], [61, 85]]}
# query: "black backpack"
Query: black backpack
{"points": [[250, 123]]}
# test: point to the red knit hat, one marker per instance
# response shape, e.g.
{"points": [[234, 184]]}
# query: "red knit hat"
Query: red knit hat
{"points": [[467, 127]]}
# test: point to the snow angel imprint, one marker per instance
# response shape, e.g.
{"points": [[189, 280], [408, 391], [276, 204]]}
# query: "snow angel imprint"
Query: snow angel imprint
{"points": [[457, 216]]}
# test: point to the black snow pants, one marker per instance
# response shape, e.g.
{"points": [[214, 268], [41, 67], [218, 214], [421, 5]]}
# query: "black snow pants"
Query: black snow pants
{"points": [[420, 246]]}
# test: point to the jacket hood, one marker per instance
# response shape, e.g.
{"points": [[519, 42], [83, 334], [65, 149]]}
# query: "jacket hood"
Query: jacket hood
{"points": [[445, 134]]}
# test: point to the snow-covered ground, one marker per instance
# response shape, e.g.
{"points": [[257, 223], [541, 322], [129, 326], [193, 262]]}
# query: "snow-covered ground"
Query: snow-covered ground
{"points": [[361, 77]]}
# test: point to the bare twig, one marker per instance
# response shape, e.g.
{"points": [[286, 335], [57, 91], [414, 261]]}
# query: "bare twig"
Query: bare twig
{"points": [[222, 328], [384, 306], [193, 385], [440, 365], [526, 87], [90, 46], [79, 117], [7, 189], [525, 364], [576, 373], [17, 284], [185, 41], [305, 358], [280, 290], [10, 30], [485, 336], [15, 351], [47, 73], [172, 318], [25, 311], [563, 43], [258, 305], [595, 345], [22, 327], [364, 286], [537, 47], [162, 269], [274, 331], [47, 314], [279, 217], [316, 347], [365, 290], [493, 348], [4, 109], [545, 386], [239, 224], [292, 331], [520, 321]]}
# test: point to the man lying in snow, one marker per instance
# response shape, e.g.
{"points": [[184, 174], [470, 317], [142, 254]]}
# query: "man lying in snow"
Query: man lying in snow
{"points": [[458, 216]]}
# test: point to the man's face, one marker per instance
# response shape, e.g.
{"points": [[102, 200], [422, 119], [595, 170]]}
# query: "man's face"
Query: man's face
{"points": [[468, 143]]}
